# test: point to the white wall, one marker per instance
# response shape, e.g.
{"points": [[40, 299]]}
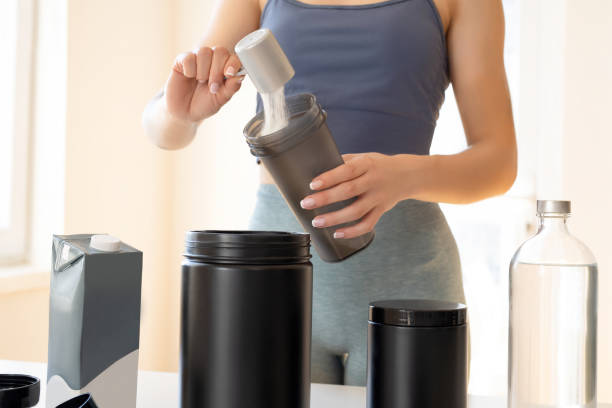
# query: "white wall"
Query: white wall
{"points": [[566, 86], [587, 147], [215, 178], [119, 54]]}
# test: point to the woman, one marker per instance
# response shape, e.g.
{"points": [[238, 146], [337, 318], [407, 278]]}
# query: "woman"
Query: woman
{"points": [[380, 70]]}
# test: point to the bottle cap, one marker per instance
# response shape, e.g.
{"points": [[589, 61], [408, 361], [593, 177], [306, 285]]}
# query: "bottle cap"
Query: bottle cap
{"points": [[553, 207], [19, 390], [105, 243], [264, 60]]}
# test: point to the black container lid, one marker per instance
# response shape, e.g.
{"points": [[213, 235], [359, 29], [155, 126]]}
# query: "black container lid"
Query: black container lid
{"points": [[247, 247], [418, 313], [19, 391], [82, 401]]}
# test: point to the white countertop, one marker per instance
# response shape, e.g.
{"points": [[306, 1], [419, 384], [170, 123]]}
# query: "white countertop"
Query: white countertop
{"points": [[158, 389]]}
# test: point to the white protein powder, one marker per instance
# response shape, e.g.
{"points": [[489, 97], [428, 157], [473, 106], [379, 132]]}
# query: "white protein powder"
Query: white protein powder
{"points": [[276, 114]]}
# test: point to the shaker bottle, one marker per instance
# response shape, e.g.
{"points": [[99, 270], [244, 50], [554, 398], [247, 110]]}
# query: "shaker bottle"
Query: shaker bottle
{"points": [[553, 317], [246, 316], [417, 354], [296, 154]]}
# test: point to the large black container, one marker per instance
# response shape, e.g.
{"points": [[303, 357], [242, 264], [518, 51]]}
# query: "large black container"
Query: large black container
{"points": [[246, 320], [417, 354], [294, 156]]}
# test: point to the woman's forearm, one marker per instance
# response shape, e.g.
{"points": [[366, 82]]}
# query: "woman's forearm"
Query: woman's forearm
{"points": [[483, 170], [165, 130]]}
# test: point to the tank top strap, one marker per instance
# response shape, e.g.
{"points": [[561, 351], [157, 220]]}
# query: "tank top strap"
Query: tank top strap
{"points": [[269, 5]]}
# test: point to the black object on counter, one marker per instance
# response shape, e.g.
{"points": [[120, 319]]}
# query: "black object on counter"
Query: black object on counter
{"points": [[82, 401], [417, 354], [246, 316], [294, 156], [19, 391]]}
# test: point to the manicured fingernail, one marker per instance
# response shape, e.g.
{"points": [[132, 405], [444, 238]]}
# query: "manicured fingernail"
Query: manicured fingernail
{"points": [[307, 203], [214, 88], [201, 81], [338, 234], [316, 184], [230, 72], [318, 222], [240, 79]]}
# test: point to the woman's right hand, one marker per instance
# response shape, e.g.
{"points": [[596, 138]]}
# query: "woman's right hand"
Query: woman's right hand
{"points": [[197, 88]]}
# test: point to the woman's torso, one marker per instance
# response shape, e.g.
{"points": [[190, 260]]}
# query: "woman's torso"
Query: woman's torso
{"points": [[379, 69]]}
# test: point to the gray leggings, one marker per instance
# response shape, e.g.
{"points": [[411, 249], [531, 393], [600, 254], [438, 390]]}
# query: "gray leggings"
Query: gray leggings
{"points": [[414, 255]]}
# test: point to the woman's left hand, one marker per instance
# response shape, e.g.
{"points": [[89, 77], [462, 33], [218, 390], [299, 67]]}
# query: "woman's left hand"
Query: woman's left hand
{"points": [[376, 179]]}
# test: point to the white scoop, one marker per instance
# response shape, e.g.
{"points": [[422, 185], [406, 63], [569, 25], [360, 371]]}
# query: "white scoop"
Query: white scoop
{"points": [[264, 60]]}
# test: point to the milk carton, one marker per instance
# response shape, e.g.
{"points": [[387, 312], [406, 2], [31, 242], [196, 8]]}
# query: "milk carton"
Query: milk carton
{"points": [[94, 320]]}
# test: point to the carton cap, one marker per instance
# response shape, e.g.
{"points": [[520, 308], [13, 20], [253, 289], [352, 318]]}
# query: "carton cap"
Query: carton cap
{"points": [[105, 243]]}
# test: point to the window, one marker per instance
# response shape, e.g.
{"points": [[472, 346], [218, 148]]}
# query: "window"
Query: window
{"points": [[489, 232], [16, 38]]}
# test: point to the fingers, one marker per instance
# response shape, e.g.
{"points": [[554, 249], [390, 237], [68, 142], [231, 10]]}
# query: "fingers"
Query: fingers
{"points": [[215, 78], [185, 64], [347, 214], [343, 191], [232, 66], [204, 59], [231, 86], [232, 83], [345, 172], [366, 225]]}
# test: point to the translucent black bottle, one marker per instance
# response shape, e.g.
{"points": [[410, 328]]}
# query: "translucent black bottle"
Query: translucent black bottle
{"points": [[553, 317], [294, 156]]}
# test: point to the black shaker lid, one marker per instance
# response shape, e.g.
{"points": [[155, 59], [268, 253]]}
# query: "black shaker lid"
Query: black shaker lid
{"points": [[418, 313], [19, 390]]}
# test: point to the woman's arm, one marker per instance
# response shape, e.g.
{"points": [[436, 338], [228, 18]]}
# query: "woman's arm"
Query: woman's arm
{"points": [[196, 88], [486, 168]]}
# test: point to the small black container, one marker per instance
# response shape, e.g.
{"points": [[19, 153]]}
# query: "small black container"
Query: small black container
{"points": [[294, 156], [417, 354], [82, 401], [246, 320], [19, 390]]}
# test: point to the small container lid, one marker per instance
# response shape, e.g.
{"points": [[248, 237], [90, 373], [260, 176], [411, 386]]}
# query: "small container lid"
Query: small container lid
{"points": [[18, 390], [82, 401], [418, 313]]}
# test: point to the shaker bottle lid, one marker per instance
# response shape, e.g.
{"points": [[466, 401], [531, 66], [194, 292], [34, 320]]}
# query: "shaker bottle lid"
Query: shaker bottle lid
{"points": [[19, 390], [82, 401], [264, 60], [418, 313], [554, 207], [105, 243]]}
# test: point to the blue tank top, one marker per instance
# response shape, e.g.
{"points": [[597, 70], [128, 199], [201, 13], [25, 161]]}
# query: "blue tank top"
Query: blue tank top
{"points": [[379, 70]]}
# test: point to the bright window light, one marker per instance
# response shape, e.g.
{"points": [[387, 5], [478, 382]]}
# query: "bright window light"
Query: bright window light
{"points": [[8, 42], [488, 233]]}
